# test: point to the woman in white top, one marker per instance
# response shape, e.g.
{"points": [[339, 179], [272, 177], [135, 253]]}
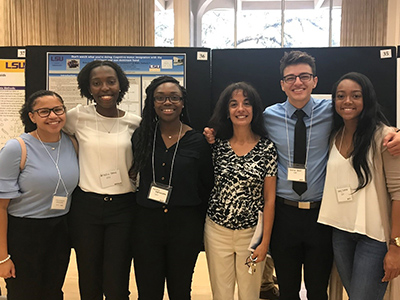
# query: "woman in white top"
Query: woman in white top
{"points": [[362, 192], [101, 211]]}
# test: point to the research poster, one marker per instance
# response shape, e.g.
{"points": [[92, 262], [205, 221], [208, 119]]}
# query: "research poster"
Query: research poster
{"points": [[141, 69], [12, 96]]}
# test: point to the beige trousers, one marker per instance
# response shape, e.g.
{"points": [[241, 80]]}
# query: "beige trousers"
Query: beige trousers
{"points": [[226, 252]]}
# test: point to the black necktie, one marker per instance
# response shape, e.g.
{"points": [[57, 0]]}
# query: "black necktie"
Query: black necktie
{"points": [[299, 149]]}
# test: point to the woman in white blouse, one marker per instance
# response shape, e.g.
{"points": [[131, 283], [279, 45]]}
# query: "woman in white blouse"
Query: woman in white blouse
{"points": [[362, 192], [101, 211]]}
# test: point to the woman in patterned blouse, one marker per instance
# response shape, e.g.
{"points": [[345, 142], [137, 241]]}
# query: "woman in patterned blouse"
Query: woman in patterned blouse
{"points": [[245, 170]]}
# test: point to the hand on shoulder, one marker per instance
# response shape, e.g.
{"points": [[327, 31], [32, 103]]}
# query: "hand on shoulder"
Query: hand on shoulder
{"points": [[392, 142], [209, 134]]}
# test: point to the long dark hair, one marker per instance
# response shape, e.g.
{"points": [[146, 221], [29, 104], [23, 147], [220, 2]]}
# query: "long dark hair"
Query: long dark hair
{"points": [[143, 145], [220, 120], [370, 118]]}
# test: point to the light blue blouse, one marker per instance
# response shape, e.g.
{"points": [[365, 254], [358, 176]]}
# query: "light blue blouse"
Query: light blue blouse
{"points": [[31, 191]]}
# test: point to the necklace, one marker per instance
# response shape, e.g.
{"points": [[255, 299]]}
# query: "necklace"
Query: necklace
{"points": [[172, 135], [173, 157], [109, 131], [52, 148], [55, 163], [104, 126], [341, 142]]}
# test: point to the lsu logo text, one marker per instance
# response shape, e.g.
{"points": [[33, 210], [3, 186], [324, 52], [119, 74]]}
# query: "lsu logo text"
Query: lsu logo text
{"points": [[15, 65], [57, 58]]}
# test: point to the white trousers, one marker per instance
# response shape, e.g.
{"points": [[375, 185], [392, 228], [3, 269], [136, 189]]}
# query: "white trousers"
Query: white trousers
{"points": [[226, 252]]}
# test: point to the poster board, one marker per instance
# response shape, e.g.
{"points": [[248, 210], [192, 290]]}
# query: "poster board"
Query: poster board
{"points": [[140, 69], [191, 66], [12, 92], [260, 67]]}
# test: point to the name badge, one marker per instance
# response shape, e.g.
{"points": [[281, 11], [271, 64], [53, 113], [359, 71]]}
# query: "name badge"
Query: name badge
{"points": [[111, 178], [344, 194], [297, 172], [160, 192], [59, 202]]}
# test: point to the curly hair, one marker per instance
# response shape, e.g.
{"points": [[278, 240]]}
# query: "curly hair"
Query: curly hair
{"points": [[220, 120], [143, 144], [370, 118], [27, 107], [297, 57], [84, 78]]}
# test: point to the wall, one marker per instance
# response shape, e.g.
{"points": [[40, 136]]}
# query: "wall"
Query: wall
{"points": [[393, 29], [77, 22]]}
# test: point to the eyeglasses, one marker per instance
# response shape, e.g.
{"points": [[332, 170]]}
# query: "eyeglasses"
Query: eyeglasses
{"points": [[45, 112], [174, 99], [304, 77]]}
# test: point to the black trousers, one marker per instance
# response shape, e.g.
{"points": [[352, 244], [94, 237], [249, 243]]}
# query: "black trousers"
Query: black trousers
{"points": [[166, 244], [298, 240], [100, 227], [40, 251]]}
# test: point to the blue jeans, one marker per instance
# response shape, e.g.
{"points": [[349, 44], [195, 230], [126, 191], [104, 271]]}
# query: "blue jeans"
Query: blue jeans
{"points": [[359, 260]]}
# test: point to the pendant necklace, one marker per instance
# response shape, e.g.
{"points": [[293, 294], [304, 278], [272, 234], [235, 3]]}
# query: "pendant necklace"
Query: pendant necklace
{"points": [[115, 121], [109, 131]]}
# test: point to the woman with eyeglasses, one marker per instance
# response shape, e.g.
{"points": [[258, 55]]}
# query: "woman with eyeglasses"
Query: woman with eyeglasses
{"points": [[38, 174], [101, 212], [172, 164]]}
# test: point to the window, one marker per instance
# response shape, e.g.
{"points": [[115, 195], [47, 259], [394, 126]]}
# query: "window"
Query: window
{"points": [[261, 24], [164, 27], [306, 28], [259, 29], [254, 23], [218, 29]]}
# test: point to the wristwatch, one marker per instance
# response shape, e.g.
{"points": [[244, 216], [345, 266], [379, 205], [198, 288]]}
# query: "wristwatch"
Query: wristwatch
{"points": [[395, 241]]}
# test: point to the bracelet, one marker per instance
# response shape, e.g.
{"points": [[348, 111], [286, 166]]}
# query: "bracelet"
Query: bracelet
{"points": [[4, 260]]}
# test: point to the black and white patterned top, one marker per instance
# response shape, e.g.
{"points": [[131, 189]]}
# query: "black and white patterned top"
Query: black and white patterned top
{"points": [[237, 195]]}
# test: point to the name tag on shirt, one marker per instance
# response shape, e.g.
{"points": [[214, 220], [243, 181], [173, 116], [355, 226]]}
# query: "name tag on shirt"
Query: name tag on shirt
{"points": [[59, 202], [160, 192], [344, 194], [111, 178], [297, 172]]}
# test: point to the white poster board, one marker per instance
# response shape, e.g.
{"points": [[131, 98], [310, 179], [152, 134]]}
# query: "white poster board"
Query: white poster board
{"points": [[12, 97]]}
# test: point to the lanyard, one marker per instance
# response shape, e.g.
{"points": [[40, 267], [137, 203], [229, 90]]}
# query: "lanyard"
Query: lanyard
{"points": [[55, 163], [309, 137], [98, 141], [173, 157]]}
